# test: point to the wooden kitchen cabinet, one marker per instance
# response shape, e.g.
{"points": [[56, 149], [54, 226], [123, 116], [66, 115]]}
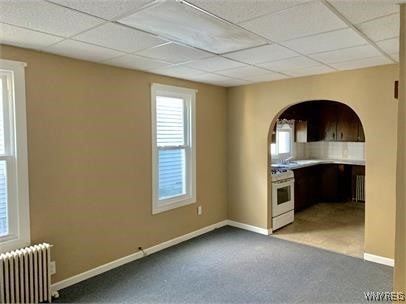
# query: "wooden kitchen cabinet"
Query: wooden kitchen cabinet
{"points": [[347, 124], [328, 122], [306, 181]]}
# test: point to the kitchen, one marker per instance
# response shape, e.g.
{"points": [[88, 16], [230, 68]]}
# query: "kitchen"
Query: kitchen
{"points": [[317, 152]]}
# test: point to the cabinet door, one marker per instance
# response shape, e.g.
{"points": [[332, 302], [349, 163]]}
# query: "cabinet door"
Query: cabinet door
{"points": [[361, 134], [328, 122], [347, 124]]}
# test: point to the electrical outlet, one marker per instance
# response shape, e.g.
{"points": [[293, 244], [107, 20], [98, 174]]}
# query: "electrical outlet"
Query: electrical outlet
{"points": [[52, 267], [199, 210]]}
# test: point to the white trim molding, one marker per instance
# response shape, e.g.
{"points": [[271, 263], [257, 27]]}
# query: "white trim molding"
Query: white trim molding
{"points": [[249, 227], [379, 259]]}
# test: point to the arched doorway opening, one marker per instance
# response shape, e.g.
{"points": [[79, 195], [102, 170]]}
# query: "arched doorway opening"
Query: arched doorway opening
{"points": [[317, 157]]}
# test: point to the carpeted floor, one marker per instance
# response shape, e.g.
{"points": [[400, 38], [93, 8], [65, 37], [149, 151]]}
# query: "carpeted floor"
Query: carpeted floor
{"points": [[230, 265]]}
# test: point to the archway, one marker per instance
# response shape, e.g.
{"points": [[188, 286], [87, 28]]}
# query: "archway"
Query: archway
{"points": [[321, 144]]}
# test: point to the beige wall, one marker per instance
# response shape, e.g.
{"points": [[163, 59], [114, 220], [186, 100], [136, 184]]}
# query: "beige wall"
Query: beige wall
{"points": [[252, 108], [89, 149], [400, 265]]}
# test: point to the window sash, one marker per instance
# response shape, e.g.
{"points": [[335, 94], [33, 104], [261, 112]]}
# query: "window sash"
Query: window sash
{"points": [[187, 95]]}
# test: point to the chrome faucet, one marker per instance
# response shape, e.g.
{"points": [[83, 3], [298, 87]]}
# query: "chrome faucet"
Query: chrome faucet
{"points": [[286, 160]]}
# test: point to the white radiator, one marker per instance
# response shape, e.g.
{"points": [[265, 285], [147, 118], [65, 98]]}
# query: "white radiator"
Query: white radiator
{"points": [[25, 275], [360, 188]]}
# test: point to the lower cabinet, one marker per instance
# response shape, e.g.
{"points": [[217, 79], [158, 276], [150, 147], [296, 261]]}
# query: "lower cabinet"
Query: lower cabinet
{"points": [[323, 183]]}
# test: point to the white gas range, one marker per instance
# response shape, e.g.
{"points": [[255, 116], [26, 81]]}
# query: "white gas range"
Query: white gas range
{"points": [[283, 198]]}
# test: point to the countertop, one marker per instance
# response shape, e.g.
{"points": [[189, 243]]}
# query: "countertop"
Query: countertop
{"points": [[297, 164]]}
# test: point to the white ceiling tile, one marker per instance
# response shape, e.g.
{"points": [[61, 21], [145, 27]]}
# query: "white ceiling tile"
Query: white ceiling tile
{"points": [[262, 54], [287, 65], [137, 63], [80, 50], [107, 9], [381, 28], [303, 20], [363, 10], [251, 73], [361, 63], [326, 41], [217, 79], [120, 37], [178, 71], [174, 53], [395, 56], [46, 17], [178, 21], [213, 64], [241, 10], [21, 37], [390, 46], [341, 55], [315, 70]]}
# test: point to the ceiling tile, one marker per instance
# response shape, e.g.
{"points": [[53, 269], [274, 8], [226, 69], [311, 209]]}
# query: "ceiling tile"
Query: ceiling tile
{"points": [[174, 53], [390, 46], [315, 70], [251, 73], [361, 63], [137, 63], [381, 28], [287, 65], [326, 41], [395, 56], [341, 55], [17, 36], [262, 54], [361, 11], [180, 22], [46, 17], [106, 9], [80, 50], [241, 10], [213, 64], [303, 20], [178, 71], [120, 37], [217, 79]]}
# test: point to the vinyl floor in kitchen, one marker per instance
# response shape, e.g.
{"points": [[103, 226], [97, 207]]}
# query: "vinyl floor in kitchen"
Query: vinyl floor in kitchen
{"points": [[337, 227]]}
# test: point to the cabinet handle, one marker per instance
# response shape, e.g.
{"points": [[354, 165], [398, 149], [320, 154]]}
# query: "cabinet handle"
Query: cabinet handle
{"points": [[341, 135], [334, 135]]}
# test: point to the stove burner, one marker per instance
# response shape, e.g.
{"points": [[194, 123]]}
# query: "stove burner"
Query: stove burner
{"points": [[278, 171]]}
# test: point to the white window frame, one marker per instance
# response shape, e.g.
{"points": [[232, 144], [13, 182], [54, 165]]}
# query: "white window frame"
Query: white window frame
{"points": [[282, 127], [189, 97], [17, 169]]}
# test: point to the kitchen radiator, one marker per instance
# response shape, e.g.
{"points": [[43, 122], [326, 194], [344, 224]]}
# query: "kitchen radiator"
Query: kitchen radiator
{"points": [[360, 188], [25, 275]]}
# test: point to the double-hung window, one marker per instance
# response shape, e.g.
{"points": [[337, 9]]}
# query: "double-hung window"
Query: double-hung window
{"points": [[14, 212], [173, 146]]}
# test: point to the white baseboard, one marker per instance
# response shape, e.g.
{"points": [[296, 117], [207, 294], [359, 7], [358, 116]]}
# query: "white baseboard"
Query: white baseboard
{"points": [[132, 257], [379, 259], [249, 227]]}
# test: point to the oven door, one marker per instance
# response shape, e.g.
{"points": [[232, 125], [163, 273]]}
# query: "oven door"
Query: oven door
{"points": [[283, 196]]}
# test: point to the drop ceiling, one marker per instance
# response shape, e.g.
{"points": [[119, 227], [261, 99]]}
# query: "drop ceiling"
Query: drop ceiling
{"points": [[221, 42]]}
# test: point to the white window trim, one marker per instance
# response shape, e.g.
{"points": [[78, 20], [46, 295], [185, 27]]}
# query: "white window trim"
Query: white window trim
{"points": [[21, 235], [280, 156], [189, 95]]}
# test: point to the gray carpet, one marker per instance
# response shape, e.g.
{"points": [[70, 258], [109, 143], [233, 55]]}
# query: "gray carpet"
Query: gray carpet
{"points": [[230, 265]]}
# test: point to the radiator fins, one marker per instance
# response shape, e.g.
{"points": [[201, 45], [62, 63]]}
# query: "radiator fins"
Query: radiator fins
{"points": [[25, 275]]}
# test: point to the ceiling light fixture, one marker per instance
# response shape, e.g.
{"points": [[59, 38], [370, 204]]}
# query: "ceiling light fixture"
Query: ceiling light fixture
{"points": [[180, 21]]}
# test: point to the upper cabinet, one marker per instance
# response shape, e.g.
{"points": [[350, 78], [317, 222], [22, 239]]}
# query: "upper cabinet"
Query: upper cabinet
{"points": [[325, 121]]}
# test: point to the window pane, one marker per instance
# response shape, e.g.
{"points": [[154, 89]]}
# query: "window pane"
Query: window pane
{"points": [[2, 87], [3, 199], [283, 142], [170, 118], [171, 173]]}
